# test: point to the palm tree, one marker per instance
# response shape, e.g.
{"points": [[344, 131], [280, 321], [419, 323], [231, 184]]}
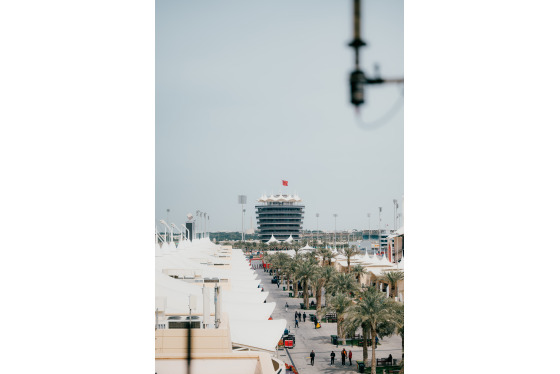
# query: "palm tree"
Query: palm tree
{"points": [[327, 256], [342, 283], [377, 312], [318, 281], [392, 277], [348, 253], [305, 271], [358, 271], [339, 304]]}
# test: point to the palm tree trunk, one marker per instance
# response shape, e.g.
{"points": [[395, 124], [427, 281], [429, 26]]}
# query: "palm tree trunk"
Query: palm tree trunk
{"points": [[365, 334], [319, 296], [339, 331], [305, 295], [373, 334]]}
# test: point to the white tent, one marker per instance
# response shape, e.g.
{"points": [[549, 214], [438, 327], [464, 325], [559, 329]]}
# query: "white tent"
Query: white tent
{"points": [[272, 240], [290, 239], [258, 334], [307, 246]]}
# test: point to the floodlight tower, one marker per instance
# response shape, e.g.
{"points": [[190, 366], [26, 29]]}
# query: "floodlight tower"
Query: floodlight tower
{"points": [[242, 199]]}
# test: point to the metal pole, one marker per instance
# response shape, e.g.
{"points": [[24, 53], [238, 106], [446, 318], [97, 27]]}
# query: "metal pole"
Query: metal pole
{"points": [[369, 226], [335, 215], [379, 230], [317, 215]]}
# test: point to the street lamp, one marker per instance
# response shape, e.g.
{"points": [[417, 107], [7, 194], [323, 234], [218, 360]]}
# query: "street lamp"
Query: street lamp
{"points": [[180, 232], [242, 199], [335, 215], [317, 215], [395, 214], [165, 224], [369, 226], [379, 229], [205, 232]]}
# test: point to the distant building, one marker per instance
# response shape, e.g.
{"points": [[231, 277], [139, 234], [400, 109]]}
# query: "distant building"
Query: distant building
{"points": [[281, 216]]}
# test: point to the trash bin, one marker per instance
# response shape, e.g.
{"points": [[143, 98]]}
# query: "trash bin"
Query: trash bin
{"points": [[290, 294], [361, 366], [284, 288], [334, 339]]}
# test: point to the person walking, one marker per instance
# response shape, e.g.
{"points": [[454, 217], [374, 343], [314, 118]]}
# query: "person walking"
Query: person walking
{"points": [[350, 358], [297, 325], [332, 358], [343, 356], [312, 355], [286, 306], [303, 316]]}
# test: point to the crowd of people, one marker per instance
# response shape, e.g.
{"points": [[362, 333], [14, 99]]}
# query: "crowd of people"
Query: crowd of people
{"points": [[343, 354]]}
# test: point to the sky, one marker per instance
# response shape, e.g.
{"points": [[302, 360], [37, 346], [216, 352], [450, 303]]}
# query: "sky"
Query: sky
{"points": [[252, 93]]}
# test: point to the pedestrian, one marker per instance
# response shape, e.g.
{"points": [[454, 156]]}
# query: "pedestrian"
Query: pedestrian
{"points": [[297, 325], [299, 316], [296, 314], [304, 316], [277, 284], [312, 355], [343, 356], [332, 358], [390, 359], [350, 358], [286, 307]]}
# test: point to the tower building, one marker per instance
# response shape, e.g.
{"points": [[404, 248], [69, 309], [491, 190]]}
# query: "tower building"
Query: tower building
{"points": [[279, 215]]}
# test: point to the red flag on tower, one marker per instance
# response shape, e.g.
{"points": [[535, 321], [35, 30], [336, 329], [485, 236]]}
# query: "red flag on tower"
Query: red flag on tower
{"points": [[284, 183]]}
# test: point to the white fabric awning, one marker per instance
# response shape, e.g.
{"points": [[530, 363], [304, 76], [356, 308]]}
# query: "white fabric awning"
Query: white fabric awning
{"points": [[259, 334]]}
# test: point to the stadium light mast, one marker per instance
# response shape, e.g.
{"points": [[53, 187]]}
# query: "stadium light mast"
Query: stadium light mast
{"points": [[317, 215], [335, 215], [242, 199]]}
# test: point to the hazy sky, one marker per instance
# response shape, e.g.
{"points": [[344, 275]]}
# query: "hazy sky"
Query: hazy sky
{"points": [[252, 92]]}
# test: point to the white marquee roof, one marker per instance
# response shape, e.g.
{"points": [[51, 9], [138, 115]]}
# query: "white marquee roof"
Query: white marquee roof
{"points": [[259, 334], [279, 198], [272, 240]]}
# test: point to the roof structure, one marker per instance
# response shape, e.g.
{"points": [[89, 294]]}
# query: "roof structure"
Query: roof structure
{"points": [[279, 198], [272, 240]]}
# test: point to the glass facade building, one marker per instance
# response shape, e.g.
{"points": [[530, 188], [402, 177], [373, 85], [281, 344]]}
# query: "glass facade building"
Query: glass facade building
{"points": [[281, 216]]}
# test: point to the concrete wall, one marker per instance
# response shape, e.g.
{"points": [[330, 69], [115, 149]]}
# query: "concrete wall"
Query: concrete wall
{"points": [[231, 363], [172, 343]]}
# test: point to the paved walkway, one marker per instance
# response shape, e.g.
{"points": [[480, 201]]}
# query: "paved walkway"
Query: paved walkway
{"points": [[308, 338]]}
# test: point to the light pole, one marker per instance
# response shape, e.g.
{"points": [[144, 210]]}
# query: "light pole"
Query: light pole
{"points": [[205, 232], [335, 215], [395, 214], [369, 226], [379, 229], [242, 199], [317, 215], [165, 224], [180, 232], [168, 210], [196, 220]]}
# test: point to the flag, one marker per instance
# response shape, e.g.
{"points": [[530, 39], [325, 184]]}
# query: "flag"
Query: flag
{"points": [[284, 183]]}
